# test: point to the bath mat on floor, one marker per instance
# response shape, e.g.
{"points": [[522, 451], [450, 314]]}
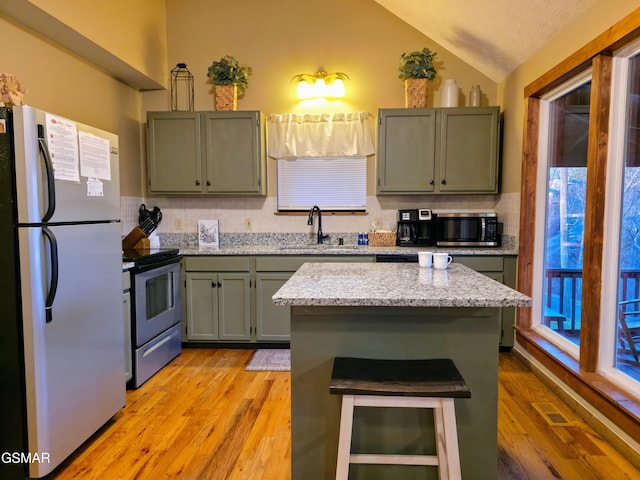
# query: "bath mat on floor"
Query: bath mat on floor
{"points": [[277, 359]]}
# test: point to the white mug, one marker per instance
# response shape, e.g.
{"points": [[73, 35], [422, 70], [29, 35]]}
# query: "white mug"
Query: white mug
{"points": [[424, 259], [441, 260]]}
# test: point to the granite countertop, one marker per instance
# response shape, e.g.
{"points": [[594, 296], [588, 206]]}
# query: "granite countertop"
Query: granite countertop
{"points": [[394, 285], [333, 250]]}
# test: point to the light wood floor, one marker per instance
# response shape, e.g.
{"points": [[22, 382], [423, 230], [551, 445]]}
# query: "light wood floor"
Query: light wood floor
{"points": [[204, 417]]}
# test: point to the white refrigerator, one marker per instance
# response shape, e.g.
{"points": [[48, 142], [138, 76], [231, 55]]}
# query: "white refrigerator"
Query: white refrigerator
{"points": [[62, 329]]}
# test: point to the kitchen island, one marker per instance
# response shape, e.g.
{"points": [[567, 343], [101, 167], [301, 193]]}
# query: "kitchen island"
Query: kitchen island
{"points": [[394, 311]]}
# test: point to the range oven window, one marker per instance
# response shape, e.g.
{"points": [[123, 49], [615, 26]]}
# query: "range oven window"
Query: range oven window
{"points": [[159, 294]]}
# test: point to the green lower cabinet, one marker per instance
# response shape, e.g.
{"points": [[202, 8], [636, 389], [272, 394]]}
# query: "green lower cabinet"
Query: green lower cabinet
{"points": [[218, 306], [503, 270], [273, 322]]}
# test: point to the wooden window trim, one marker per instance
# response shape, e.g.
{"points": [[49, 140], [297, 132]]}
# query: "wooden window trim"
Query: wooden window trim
{"points": [[614, 402]]}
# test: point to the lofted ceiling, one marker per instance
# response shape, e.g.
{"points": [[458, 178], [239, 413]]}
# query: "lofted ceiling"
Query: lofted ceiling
{"points": [[493, 36]]}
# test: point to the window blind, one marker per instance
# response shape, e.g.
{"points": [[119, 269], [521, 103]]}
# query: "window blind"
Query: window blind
{"points": [[336, 183]]}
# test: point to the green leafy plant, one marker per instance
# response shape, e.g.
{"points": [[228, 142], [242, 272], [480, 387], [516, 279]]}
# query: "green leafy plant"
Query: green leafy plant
{"points": [[417, 65], [228, 71]]}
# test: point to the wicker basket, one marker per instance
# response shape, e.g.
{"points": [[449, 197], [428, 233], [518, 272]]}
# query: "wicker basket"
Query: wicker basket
{"points": [[226, 97], [382, 239], [415, 92]]}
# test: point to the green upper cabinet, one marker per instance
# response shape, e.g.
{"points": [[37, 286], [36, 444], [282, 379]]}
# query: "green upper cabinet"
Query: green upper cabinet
{"points": [[217, 153], [438, 150], [174, 152], [468, 150], [406, 150]]}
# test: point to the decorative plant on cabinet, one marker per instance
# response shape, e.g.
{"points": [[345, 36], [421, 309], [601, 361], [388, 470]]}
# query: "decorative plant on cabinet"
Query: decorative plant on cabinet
{"points": [[229, 79], [416, 69]]}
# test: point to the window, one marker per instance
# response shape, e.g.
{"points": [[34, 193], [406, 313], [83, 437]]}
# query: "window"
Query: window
{"points": [[322, 159], [620, 356], [587, 223], [330, 183], [566, 118]]}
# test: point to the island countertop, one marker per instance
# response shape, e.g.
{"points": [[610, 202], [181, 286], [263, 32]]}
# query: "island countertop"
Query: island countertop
{"points": [[394, 285]]}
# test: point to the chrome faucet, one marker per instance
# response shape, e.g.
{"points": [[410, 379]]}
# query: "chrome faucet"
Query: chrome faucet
{"points": [[321, 237]]}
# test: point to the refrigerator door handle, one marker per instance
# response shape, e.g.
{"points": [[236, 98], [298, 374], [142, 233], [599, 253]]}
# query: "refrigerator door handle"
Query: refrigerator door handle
{"points": [[54, 273], [51, 186]]}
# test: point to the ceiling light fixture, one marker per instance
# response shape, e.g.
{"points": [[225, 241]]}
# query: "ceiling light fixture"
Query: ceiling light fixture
{"points": [[320, 84]]}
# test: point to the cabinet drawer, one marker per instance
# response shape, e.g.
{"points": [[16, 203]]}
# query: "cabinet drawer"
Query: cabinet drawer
{"points": [[216, 264], [282, 263], [481, 264]]}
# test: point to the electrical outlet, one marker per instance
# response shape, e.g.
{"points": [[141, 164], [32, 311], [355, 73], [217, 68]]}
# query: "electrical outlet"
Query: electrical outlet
{"points": [[248, 224], [178, 224], [377, 222]]}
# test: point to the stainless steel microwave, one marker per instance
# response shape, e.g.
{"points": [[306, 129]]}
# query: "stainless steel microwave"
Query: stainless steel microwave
{"points": [[467, 230]]}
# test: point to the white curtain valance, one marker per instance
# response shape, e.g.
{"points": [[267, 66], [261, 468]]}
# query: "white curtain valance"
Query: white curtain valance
{"points": [[293, 135]]}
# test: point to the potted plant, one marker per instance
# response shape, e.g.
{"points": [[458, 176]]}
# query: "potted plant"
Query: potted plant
{"points": [[416, 69], [229, 79]]}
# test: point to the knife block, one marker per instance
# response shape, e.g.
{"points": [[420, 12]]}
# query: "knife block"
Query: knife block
{"points": [[136, 239]]}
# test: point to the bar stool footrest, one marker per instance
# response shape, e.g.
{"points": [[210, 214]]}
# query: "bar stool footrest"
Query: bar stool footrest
{"points": [[390, 459]]}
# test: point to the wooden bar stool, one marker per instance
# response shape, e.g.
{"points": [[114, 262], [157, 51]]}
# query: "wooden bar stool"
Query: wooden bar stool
{"points": [[430, 384]]}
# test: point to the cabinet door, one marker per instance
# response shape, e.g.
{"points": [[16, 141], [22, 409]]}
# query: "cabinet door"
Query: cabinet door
{"points": [[174, 152], [233, 152], [406, 150], [273, 322], [202, 306], [503, 270], [234, 309], [468, 155]]}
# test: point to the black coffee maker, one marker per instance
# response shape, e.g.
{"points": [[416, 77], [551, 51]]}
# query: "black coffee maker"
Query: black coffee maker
{"points": [[416, 227]]}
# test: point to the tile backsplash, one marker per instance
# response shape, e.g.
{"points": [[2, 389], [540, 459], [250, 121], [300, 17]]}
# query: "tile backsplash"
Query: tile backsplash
{"points": [[256, 214]]}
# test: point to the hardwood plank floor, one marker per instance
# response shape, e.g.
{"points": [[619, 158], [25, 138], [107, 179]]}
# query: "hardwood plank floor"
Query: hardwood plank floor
{"points": [[204, 417]]}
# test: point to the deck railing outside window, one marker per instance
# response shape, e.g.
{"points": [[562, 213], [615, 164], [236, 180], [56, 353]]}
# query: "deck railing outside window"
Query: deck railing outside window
{"points": [[564, 291]]}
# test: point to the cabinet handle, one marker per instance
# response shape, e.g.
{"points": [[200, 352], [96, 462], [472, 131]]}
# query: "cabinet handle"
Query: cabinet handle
{"points": [[213, 284], [443, 181], [197, 182], [431, 182], [208, 183], [219, 284]]}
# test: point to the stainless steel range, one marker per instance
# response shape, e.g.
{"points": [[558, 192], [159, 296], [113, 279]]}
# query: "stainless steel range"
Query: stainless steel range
{"points": [[156, 311]]}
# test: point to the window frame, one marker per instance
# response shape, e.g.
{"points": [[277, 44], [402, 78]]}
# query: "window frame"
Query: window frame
{"points": [[612, 219], [542, 181], [582, 375]]}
